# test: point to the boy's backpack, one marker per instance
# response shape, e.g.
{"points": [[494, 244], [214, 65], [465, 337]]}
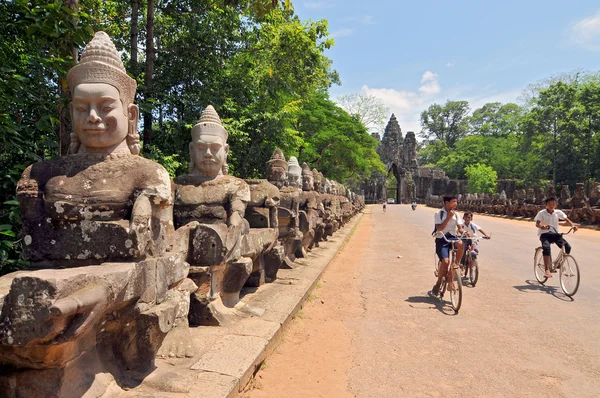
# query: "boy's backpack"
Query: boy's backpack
{"points": [[434, 229]]}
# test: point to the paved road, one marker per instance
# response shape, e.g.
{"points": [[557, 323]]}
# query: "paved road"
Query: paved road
{"points": [[512, 337]]}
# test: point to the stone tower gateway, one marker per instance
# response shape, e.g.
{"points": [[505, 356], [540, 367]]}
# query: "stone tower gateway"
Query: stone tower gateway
{"points": [[399, 154]]}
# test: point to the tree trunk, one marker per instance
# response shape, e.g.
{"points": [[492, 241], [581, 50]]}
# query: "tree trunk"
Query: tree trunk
{"points": [[135, 8], [149, 71], [65, 127]]}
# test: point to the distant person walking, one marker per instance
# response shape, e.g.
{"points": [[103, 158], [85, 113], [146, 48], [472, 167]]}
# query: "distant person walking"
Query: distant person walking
{"points": [[384, 206]]}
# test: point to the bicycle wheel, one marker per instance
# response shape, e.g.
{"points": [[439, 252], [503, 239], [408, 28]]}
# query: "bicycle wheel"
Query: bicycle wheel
{"points": [[538, 266], [569, 275], [455, 289], [474, 272]]}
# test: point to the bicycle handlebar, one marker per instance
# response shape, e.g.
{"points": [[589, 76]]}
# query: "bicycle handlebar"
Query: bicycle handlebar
{"points": [[458, 239], [560, 233]]}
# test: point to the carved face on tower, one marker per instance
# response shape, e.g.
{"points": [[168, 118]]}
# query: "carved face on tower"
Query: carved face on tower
{"points": [[294, 172], [307, 178], [103, 114], [277, 169], [209, 148]]}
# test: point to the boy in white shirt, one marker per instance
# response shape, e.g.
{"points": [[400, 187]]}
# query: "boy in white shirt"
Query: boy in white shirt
{"points": [[448, 222], [547, 223]]}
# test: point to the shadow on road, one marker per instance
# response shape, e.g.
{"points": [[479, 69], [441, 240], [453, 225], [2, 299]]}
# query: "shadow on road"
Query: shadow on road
{"points": [[437, 304], [534, 286]]}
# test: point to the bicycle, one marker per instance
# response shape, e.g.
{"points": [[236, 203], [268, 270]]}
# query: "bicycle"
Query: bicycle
{"points": [[451, 280], [569, 270], [470, 264]]}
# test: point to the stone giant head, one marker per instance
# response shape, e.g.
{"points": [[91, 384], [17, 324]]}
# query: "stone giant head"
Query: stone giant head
{"points": [[103, 114], [277, 169], [294, 173], [307, 178], [209, 148]]}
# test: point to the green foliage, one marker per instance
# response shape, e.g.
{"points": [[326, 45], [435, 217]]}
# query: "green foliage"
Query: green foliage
{"points": [[448, 123], [336, 143], [554, 136], [495, 119], [481, 178]]}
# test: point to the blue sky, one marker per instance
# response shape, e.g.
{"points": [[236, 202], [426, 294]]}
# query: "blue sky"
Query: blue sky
{"points": [[415, 53]]}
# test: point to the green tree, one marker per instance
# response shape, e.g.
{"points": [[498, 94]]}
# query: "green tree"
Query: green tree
{"points": [[335, 142], [448, 123], [481, 178], [495, 119]]}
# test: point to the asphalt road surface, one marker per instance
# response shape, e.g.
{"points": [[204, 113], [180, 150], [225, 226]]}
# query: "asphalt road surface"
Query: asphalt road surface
{"points": [[374, 332]]}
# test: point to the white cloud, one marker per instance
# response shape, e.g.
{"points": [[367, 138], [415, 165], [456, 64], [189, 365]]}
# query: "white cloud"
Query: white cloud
{"points": [[586, 33], [428, 76], [430, 84], [408, 105], [342, 33], [449, 64]]}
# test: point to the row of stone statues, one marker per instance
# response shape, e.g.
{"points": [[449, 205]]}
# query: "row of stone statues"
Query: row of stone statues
{"points": [[528, 202], [122, 255]]}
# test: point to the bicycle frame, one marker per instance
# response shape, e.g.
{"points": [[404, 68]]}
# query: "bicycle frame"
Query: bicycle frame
{"points": [[451, 278], [556, 264]]}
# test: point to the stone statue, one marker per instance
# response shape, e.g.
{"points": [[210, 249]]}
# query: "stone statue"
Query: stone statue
{"points": [[565, 196], [209, 215], [104, 215], [530, 196], [550, 191], [595, 193], [502, 198], [294, 172], [579, 197], [289, 207], [277, 169], [311, 223]]}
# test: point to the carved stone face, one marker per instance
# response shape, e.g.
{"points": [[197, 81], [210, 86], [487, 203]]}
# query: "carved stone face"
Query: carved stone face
{"points": [[209, 154], [294, 172], [99, 119], [277, 175], [307, 182]]}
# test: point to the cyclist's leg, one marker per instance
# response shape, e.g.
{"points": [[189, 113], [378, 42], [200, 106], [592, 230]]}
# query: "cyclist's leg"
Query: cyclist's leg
{"points": [[546, 240], [562, 241], [460, 250], [442, 248]]}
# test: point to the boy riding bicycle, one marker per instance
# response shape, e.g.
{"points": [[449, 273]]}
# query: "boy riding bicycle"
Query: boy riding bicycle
{"points": [[448, 222], [547, 223], [472, 230]]}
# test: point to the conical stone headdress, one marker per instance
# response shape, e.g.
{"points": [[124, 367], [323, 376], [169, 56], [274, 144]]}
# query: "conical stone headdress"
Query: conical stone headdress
{"points": [[277, 160], [306, 170], [209, 124], [293, 166], [100, 63]]}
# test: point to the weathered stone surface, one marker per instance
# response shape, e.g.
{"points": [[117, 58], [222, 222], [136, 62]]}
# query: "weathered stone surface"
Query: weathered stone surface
{"points": [[233, 356], [75, 331]]}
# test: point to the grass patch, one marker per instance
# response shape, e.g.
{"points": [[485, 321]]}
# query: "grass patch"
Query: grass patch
{"points": [[299, 314]]}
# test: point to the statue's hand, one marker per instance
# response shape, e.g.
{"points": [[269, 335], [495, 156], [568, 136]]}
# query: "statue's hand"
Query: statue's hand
{"points": [[238, 221], [89, 303], [141, 215]]}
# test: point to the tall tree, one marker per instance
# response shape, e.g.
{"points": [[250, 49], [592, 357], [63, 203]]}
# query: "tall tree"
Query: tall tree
{"points": [[448, 123], [370, 110], [495, 119], [149, 74], [133, 46]]}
